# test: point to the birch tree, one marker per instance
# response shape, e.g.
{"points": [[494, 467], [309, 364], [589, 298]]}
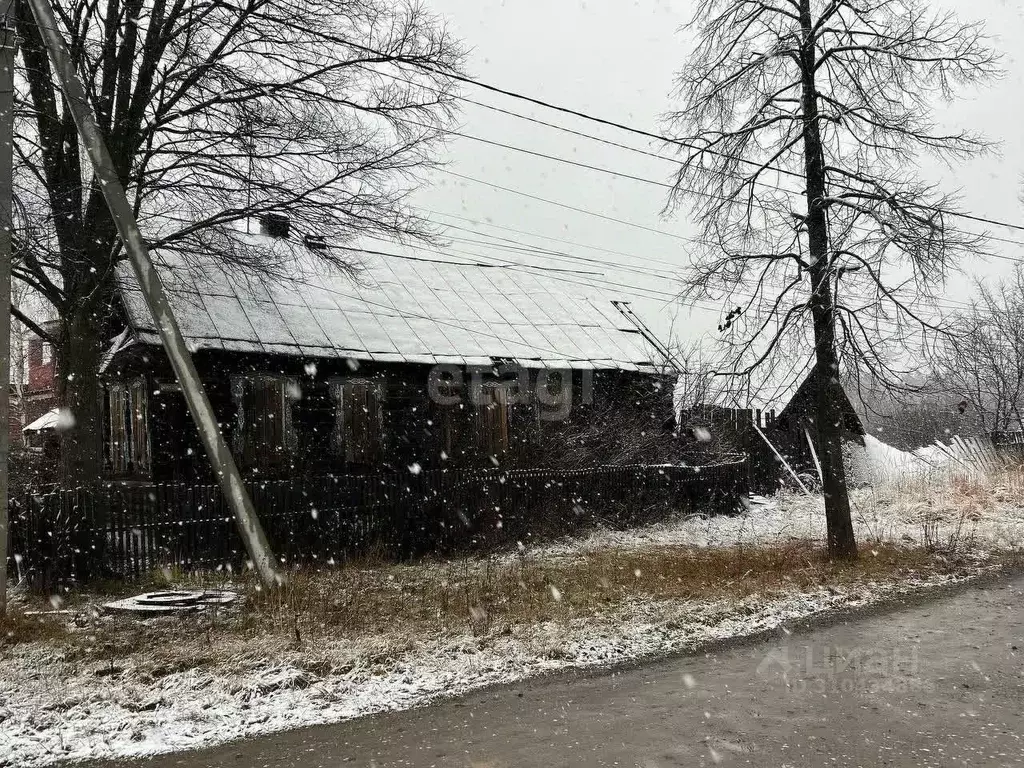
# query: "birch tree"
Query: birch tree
{"points": [[799, 127], [216, 113]]}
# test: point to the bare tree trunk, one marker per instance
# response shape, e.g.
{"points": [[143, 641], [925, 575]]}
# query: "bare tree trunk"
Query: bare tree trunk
{"points": [[839, 523], [78, 391]]}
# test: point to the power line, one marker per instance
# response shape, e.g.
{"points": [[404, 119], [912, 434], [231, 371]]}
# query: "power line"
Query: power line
{"points": [[664, 185], [527, 251], [569, 207], [639, 131], [951, 304], [561, 275], [492, 264], [689, 190], [707, 305], [599, 215], [544, 237]]}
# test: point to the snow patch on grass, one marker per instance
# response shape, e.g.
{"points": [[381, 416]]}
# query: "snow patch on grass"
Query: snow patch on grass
{"points": [[981, 517]]}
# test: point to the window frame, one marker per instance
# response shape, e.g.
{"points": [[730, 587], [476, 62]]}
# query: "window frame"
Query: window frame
{"points": [[342, 444], [128, 448], [487, 400], [249, 451]]}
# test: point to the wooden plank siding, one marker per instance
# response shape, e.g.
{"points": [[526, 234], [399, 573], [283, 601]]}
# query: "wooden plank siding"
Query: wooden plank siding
{"points": [[287, 417]]}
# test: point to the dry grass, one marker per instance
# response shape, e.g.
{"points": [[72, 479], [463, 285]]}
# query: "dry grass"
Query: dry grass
{"points": [[950, 491], [498, 593], [947, 506], [21, 626], [476, 595]]}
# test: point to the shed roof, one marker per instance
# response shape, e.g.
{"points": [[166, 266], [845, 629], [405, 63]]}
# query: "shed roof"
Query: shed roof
{"points": [[400, 310], [804, 401], [48, 420]]}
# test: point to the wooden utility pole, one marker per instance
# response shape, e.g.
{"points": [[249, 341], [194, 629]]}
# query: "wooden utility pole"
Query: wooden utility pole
{"points": [[153, 291], [8, 46]]}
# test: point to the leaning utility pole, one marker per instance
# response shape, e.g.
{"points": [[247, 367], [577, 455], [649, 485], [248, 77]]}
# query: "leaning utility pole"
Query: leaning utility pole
{"points": [[153, 291], [8, 44]]}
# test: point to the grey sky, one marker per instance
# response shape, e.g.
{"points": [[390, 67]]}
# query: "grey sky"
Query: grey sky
{"points": [[617, 60]]}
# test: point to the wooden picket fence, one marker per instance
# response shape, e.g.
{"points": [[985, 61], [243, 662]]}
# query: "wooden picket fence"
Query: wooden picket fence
{"points": [[986, 454], [119, 530]]}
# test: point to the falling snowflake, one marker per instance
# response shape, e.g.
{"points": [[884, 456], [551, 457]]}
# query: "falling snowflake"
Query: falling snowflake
{"points": [[65, 420], [477, 613]]}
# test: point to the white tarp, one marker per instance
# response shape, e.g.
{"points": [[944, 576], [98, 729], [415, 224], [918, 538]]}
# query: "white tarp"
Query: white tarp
{"points": [[47, 421]]}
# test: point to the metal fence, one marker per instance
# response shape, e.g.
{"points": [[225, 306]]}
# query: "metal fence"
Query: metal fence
{"points": [[119, 530]]}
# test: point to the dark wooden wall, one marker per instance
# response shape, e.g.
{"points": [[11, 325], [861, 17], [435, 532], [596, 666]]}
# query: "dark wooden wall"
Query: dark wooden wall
{"points": [[614, 417]]}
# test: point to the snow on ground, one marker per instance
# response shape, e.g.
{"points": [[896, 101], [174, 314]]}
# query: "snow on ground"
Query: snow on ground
{"points": [[52, 710], [877, 462], [880, 515]]}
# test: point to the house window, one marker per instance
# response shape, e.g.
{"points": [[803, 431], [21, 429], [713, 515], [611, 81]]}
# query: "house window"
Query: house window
{"points": [[449, 419], [264, 433], [46, 350], [492, 419], [128, 449], [359, 423]]}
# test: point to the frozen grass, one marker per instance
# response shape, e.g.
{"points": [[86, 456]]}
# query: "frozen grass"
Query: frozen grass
{"points": [[498, 593], [949, 509], [371, 636]]}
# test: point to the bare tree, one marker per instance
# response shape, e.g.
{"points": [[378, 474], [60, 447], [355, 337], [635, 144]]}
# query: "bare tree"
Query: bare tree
{"points": [[983, 364], [919, 412], [216, 113], [697, 385], [800, 123], [19, 341]]}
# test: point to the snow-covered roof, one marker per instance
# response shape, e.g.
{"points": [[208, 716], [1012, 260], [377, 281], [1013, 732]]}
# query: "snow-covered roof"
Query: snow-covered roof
{"points": [[47, 421], [401, 310]]}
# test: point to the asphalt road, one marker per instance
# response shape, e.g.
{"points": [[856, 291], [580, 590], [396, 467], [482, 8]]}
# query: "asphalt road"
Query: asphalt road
{"points": [[935, 684]]}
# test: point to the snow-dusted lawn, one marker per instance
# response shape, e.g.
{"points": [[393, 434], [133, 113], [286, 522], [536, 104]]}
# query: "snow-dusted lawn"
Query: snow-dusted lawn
{"points": [[940, 510], [380, 637]]}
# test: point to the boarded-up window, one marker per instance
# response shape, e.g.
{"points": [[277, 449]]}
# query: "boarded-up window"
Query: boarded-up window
{"points": [[492, 419], [359, 423], [264, 434], [128, 427], [449, 417]]}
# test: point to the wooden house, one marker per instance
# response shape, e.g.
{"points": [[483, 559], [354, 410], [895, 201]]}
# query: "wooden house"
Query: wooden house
{"points": [[406, 362]]}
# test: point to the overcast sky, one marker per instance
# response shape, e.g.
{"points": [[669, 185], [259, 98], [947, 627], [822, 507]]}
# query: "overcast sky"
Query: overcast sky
{"points": [[617, 60]]}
